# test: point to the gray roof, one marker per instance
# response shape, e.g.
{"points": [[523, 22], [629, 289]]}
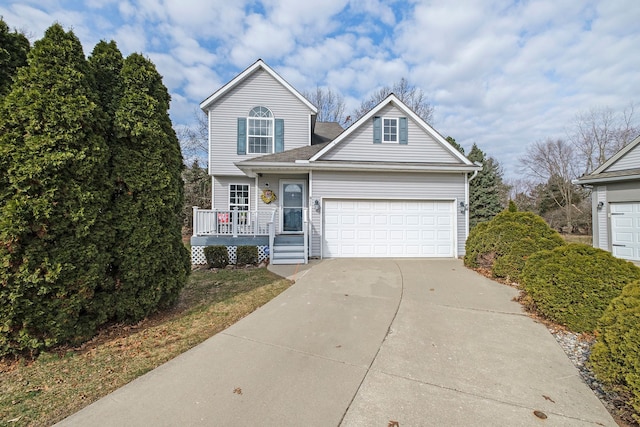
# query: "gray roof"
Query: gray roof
{"points": [[325, 132], [623, 175], [290, 156]]}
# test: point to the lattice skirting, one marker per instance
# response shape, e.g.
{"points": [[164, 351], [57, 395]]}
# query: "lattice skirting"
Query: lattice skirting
{"points": [[198, 258]]}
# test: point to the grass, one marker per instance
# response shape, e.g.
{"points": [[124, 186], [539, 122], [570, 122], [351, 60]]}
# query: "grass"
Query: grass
{"points": [[577, 238], [57, 384]]}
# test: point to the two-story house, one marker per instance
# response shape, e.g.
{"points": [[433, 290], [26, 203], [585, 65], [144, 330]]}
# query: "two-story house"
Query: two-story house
{"points": [[387, 186]]}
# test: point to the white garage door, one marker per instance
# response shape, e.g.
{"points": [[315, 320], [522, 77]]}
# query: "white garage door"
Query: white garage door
{"points": [[625, 230], [394, 228]]}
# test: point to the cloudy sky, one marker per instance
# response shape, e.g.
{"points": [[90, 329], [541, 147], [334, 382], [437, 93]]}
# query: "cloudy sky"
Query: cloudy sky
{"points": [[503, 74]]}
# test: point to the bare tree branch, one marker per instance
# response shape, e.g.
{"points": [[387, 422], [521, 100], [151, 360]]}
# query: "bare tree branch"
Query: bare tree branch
{"points": [[194, 140], [408, 93], [600, 132], [330, 104]]}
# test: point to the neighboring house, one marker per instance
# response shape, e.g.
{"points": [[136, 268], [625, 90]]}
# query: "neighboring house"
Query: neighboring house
{"points": [[615, 199], [387, 186]]}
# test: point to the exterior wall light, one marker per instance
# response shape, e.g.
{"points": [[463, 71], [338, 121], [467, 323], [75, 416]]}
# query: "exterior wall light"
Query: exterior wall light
{"points": [[600, 205]]}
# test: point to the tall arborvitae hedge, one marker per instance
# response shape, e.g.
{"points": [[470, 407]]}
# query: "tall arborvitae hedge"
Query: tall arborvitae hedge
{"points": [[105, 67], [150, 262], [13, 55], [51, 258]]}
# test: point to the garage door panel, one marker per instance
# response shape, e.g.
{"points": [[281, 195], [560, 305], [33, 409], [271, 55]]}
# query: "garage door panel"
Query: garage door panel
{"points": [[395, 228], [625, 230]]}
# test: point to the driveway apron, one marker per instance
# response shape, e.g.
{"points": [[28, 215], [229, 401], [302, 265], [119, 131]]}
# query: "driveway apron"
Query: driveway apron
{"points": [[362, 342]]}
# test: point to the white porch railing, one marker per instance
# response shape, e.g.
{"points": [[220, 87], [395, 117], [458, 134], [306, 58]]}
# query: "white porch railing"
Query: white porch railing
{"points": [[306, 224], [215, 222]]}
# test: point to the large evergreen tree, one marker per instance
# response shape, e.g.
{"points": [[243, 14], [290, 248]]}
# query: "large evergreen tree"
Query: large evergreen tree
{"points": [[105, 65], [51, 261], [150, 262], [486, 190], [13, 55]]}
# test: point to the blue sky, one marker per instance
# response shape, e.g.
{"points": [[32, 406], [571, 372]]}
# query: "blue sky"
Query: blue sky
{"points": [[503, 74]]}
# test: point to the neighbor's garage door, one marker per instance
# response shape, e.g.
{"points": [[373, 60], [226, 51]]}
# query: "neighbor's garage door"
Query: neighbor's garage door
{"points": [[380, 228], [625, 230]]}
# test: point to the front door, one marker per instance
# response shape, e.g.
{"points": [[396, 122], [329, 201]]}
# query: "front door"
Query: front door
{"points": [[292, 205]]}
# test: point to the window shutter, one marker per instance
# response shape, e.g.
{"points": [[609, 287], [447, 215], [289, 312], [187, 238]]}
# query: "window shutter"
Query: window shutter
{"points": [[404, 131], [279, 134], [377, 130], [242, 135]]}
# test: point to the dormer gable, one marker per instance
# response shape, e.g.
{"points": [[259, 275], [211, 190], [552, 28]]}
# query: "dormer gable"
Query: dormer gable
{"points": [[256, 66], [390, 132], [626, 159]]}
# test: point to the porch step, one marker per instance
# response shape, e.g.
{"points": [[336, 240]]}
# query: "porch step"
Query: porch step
{"points": [[283, 239], [288, 261], [288, 249]]}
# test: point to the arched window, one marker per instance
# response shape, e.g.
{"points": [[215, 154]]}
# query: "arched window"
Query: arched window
{"points": [[260, 131]]}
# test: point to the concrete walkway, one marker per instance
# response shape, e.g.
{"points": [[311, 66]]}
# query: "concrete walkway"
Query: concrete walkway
{"points": [[367, 343]]}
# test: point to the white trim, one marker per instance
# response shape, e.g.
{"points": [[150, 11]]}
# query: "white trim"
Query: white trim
{"points": [[310, 212], [213, 192], [251, 168], [257, 184], [281, 183], [259, 64], [397, 126], [467, 212], [209, 142], [271, 121], [392, 99], [589, 179]]}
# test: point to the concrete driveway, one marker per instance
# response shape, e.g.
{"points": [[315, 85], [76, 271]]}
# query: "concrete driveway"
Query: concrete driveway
{"points": [[367, 343]]}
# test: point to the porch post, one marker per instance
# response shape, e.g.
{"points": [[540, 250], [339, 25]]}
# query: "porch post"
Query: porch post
{"points": [[234, 221], [195, 221]]}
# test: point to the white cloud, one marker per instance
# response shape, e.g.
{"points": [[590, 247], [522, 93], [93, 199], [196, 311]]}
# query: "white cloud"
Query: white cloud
{"points": [[131, 38], [502, 74]]}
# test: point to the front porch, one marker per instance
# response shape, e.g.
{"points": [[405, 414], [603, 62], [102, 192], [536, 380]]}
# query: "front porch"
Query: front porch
{"points": [[261, 228]]}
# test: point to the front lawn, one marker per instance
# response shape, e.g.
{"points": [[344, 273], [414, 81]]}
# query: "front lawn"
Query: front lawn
{"points": [[59, 383]]}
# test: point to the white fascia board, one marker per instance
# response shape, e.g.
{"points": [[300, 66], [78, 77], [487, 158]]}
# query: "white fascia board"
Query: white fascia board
{"points": [[406, 110], [247, 72], [596, 179], [252, 168]]}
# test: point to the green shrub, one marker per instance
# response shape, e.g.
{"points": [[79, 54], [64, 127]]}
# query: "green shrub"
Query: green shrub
{"points": [[615, 357], [504, 243], [573, 285], [217, 256], [247, 255]]}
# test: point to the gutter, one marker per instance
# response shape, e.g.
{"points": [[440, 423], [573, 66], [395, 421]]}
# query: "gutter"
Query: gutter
{"points": [[302, 165], [604, 179]]}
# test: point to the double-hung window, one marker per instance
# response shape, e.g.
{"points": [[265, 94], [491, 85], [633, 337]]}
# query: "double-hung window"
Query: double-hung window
{"points": [[260, 131], [239, 199], [389, 130]]}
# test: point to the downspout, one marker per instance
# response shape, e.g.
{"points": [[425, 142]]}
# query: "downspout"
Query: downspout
{"points": [[213, 183]]}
